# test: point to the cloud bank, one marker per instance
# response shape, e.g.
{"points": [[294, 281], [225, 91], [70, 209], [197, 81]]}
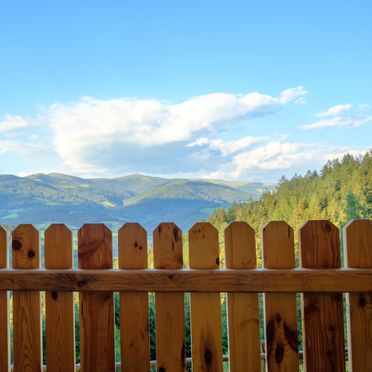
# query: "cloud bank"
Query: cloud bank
{"points": [[99, 133], [204, 136]]}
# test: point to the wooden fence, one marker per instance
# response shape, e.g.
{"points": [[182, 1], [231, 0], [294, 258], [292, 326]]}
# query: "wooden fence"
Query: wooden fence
{"points": [[320, 278]]}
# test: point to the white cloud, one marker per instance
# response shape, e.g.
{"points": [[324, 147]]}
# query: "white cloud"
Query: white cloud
{"points": [[97, 133], [270, 160], [339, 121], [26, 149], [230, 147], [10, 124], [112, 137], [336, 110], [293, 94]]}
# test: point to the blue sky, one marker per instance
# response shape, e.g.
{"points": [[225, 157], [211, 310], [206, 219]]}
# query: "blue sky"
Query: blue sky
{"points": [[247, 90]]}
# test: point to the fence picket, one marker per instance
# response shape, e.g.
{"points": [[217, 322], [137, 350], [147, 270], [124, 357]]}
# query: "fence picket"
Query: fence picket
{"points": [[4, 307], [170, 317], [59, 306], [280, 308], [358, 254], [26, 304], [242, 308], [97, 343], [323, 323], [134, 307], [205, 309]]}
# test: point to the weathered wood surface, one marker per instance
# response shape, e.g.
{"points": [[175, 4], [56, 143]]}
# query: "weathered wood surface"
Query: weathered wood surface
{"points": [[205, 308], [242, 308], [323, 323], [280, 308], [170, 318], [229, 280], [134, 307], [4, 307], [59, 306], [97, 343], [26, 305], [358, 254]]}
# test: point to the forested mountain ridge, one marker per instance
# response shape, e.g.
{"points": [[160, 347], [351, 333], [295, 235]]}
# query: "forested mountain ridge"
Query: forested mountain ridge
{"points": [[45, 198], [341, 191]]}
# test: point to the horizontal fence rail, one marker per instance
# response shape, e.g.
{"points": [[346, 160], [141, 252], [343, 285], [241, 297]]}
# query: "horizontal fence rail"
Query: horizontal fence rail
{"points": [[322, 280], [188, 280]]}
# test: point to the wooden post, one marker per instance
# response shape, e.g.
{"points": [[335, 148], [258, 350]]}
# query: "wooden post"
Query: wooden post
{"points": [[280, 308], [242, 308], [26, 304], [358, 254], [59, 306], [97, 343], [4, 307], [206, 333], [134, 307], [170, 317], [323, 323]]}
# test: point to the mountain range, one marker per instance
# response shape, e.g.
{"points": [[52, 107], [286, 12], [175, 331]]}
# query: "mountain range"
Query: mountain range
{"points": [[42, 199]]}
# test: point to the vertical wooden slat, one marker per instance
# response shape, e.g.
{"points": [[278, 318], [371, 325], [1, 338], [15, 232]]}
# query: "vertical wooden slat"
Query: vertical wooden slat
{"points": [[134, 307], [59, 306], [323, 323], [358, 254], [4, 307], [280, 308], [170, 317], [97, 343], [205, 308], [242, 308], [26, 305]]}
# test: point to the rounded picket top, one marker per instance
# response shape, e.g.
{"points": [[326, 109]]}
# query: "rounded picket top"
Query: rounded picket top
{"points": [[200, 230], [58, 247], [320, 244], [25, 247], [168, 228], [3, 247], [167, 239], [357, 243], [239, 225], [240, 246], [95, 246], [98, 229], [25, 227], [203, 246], [132, 245], [278, 245], [132, 227], [61, 227], [358, 223]]}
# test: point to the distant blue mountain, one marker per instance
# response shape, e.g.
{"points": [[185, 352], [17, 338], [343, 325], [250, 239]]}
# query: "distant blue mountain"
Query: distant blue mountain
{"points": [[42, 199]]}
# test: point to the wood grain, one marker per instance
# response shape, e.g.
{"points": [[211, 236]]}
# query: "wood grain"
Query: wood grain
{"points": [[170, 317], [280, 308], [323, 324], [194, 280], [59, 307], [358, 254], [97, 343], [205, 308], [26, 305], [134, 307], [242, 308], [4, 307]]}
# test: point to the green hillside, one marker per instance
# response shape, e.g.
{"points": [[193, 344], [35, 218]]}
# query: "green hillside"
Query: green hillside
{"points": [[45, 198], [341, 191]]}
